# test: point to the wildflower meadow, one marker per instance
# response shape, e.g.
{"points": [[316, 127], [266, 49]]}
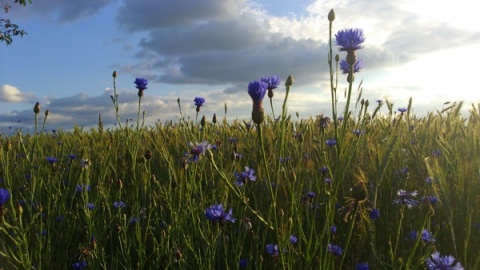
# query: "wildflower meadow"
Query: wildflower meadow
{"points": [[370, 186]]}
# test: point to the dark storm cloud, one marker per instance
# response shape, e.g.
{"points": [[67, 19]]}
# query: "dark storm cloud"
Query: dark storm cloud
{"points": [[217, 36], [61, 10], [139, 15]]}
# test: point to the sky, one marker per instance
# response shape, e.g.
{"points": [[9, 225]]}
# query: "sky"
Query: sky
{"points": [[420, 49]]}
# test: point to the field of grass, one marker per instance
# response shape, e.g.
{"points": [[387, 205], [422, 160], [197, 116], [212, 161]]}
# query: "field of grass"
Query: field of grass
{"points": [[381, 190]]}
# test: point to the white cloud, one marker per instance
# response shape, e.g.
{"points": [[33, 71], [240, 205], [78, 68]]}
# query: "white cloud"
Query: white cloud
{"points": [[9, 93]]}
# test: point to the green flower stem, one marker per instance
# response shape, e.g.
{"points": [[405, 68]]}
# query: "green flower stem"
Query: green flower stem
{"points": [[115, 103], [273, 193], [397, 238], [333, 88], [349, 236], [271, 105], [347, 105], [138, 112]]}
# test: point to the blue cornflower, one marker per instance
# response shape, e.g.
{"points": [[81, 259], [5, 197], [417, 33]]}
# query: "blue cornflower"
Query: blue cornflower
{"points": [[311, 194], [402, 110], [243, 263], [435, 262], [328, 181], [333, 229], [4, 196], [51, 160], [134, 220], [272, 250], [358, 132], [331, 142], [350, 40], [362, 266], [244, 176], [345, 67], [216, 214], [406, 198], [199, 101], [374, 214], [432, 199], [80, 265], [272, 82], [284, 160], [293, 239], [427, 236], [90, 206], [198, 149], [257, 90], [119, 204], [334, 249], [141, 84]]}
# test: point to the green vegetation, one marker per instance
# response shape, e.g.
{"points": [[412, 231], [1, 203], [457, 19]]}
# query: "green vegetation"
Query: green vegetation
{"points": [[381, 191]]}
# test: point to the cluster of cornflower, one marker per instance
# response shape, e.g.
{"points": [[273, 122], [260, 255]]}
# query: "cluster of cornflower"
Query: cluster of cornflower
{"points": [[257, 91], [349, 41]]}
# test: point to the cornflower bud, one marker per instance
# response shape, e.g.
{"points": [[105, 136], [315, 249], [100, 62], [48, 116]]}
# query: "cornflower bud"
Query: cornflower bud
{"points": [[148, 155], [289, 81], [114, 74], [214, 119], [331, 15], [36, 108]]}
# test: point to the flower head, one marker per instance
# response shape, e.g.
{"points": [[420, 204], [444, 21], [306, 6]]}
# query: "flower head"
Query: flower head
{"points": [[293, 239], [141, 84], [119, 204], [271, 82], [334, 249], [197, 150], [90, 206], [272, 250], [242, 178], [374, 214], [350, 39], [80, 265], [345, 67], [426, 236], [52, 160], [406, 198], [402, 110], [4, 196], [257, 90], [216, 214], [435, 262], [362, 266], [243, 263], [331, 142], [199, 101]]}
